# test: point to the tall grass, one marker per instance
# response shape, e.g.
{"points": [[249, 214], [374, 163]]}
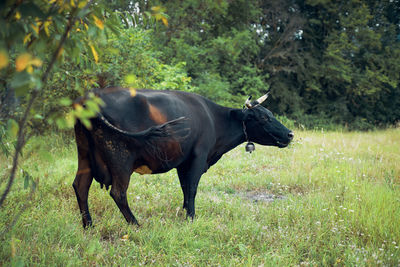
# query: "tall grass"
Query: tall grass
{"points": [[337, 202]]}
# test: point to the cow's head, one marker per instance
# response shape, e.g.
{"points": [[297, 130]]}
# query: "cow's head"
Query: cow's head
{"points": [[261, 126]]}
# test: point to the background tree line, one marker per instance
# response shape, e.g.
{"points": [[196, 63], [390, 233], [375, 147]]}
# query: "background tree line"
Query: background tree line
{"points": [[327, 63]]}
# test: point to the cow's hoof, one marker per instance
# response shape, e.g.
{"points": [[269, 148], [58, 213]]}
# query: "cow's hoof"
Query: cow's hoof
{"points": [[89, 226]]}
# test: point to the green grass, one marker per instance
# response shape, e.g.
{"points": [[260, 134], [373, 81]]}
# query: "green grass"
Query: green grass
{"points": [[340, 205]]}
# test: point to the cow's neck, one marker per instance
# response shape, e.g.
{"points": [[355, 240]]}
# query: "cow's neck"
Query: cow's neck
{"points": [[230, 132]]}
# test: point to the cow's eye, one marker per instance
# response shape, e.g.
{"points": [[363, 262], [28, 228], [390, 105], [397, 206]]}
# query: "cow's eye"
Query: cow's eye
{"points": [[267, 118]]}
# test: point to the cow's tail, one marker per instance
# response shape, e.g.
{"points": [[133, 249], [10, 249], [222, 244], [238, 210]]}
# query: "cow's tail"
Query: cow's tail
{"points": [[167, 129], [152, 140]]}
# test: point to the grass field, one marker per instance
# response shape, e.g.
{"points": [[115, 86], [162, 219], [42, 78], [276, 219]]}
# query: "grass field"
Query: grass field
{"points": [[336, 201]]}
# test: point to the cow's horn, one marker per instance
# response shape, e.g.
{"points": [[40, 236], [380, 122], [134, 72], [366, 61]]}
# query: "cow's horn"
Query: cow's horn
{"points": [[248, 103], [263, 98]]}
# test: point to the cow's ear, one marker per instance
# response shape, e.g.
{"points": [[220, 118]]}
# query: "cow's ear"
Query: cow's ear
{"points": [[238, 114]]}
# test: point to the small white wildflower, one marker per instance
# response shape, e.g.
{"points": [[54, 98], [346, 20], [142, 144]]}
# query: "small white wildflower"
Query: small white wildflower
{"points": [[351, 210], [394, 242]]}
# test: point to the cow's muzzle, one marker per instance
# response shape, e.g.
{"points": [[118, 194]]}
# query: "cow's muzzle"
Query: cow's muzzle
{"points": [[291, 135], [282, 144]]}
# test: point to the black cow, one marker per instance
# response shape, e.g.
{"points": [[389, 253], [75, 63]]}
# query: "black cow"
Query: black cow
{"points": [[156, 131]]}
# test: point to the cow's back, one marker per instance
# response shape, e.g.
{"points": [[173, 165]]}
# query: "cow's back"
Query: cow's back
{"points": [[148, 108]]}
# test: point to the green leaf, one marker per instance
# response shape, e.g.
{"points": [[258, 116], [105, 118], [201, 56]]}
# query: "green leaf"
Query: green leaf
{"points": [[83, 12], [87, 113], [12, 128], [30, 9], [87, 123], [65, 102], [92, 106], [21, 82], [70, 120], [38, 117], [36, 82], [99, 101], [131, 79]]}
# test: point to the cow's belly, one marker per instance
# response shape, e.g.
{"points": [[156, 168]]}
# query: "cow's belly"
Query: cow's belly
{"points": [[160, 162], [151, 168]]}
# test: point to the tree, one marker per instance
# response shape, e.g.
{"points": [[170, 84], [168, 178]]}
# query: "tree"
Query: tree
{"points": [[325, 61], [34, 41], [218, 48], [49, 54], [353, 70]]}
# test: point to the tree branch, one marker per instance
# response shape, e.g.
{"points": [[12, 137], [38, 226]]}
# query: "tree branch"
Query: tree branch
{"points": [[21, 141]]}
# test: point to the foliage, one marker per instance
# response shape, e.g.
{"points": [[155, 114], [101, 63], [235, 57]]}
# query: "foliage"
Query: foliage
{"points": [[356, 69], [216, 45], [320, 58], [126, 57], [129, 59], [35, 35], [336, 203], [39, 38]]}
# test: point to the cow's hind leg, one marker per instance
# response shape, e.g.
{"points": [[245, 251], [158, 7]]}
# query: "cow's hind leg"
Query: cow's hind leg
{"points": [[82, 182], [182, 179], [118, 193]]}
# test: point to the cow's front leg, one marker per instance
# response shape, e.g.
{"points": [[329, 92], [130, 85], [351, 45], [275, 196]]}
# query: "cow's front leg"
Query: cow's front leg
{"points": [[190, 172], [81, 185], [118, 193]]}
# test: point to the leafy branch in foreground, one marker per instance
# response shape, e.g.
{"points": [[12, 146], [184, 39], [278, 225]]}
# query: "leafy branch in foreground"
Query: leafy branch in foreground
{"points": [[22, 49], [38, 45], [22, 131]]}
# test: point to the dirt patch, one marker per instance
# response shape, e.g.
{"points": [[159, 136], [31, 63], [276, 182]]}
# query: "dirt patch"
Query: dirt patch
{"points": [[261, 196]]}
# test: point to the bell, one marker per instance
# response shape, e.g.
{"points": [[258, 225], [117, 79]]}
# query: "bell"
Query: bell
{"points": [[250, 147]]}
